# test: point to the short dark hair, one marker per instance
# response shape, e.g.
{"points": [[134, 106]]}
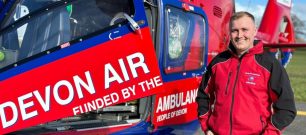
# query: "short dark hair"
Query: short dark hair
{"points": [[240, 14]]}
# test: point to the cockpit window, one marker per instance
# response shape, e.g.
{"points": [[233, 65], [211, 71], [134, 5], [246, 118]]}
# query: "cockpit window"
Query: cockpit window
{"points": [[185, 41], [34, 26], [24, 7]]}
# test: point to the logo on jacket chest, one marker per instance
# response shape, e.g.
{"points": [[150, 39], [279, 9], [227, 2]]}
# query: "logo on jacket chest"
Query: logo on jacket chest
{"points": [[251, 77]]}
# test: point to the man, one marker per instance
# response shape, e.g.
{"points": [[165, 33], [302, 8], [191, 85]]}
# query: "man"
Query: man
{"points": [[244, 90]]}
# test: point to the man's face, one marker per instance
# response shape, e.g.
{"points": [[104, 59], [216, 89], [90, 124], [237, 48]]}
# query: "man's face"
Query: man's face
{"points": [[243, 31]]}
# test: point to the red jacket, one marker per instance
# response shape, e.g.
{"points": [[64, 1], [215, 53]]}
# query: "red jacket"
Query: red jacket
{"points": [[246, 95]]}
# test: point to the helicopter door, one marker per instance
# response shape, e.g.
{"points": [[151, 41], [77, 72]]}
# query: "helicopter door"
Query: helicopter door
{"points": [[94, 67]]}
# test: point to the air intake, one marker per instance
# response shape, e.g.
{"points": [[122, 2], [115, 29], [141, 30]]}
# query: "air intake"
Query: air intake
{"points": [[217, 11]]}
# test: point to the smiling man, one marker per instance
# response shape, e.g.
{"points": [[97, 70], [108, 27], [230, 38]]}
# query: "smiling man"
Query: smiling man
{"points": [[243, 31], [245, 90]]}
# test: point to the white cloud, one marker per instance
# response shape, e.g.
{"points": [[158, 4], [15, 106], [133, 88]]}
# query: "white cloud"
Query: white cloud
{"points": [[299, 10], [258, 11], [239, 7]]}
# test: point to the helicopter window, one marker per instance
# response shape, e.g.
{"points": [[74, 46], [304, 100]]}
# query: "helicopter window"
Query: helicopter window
{"points": [[36, 26], [24, 7], [185, 41]]}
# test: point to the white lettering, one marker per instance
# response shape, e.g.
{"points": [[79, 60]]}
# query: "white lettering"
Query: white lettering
{"points": [[166, 103], [6, 123], [89, 87], [159, 105], [24, 106], [96, 104], [91, 106], [151, 83], [114, 97], [56, 93], [111, 75], [76, 110], [123, 69], [140, 63], [158, 81], [163, 117], [107, 100], [176, 100], [126, 92], [45, 104], [173, 98], [108, 68], [63, 93]]}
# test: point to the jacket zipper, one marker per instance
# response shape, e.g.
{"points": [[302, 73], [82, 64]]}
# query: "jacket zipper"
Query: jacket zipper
{"points": [[233, 98], [228, 79]]}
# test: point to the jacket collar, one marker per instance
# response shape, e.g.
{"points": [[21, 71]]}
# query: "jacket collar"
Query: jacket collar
{"points": [[256, 49]]}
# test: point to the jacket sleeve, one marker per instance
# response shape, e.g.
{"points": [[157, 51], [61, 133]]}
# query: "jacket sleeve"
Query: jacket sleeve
{"points": [[284, 110], [203, 99]]}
